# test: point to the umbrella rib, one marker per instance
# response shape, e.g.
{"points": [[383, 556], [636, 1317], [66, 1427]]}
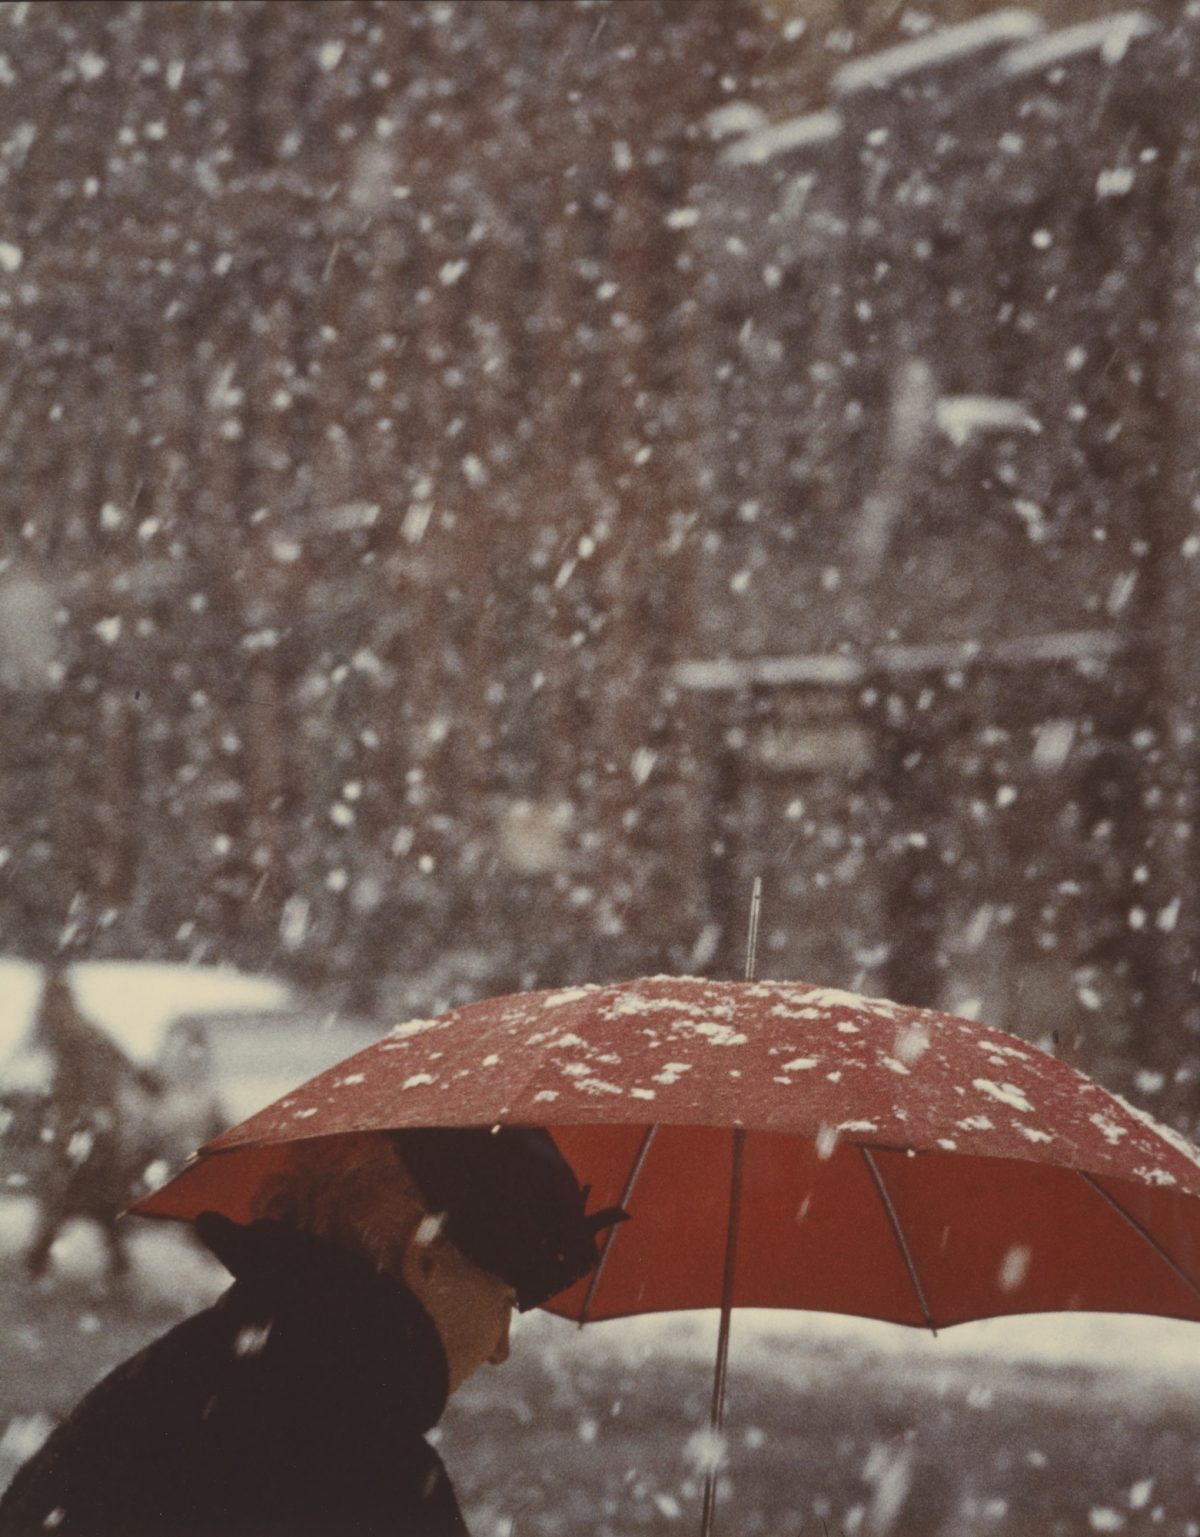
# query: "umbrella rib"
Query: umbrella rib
{"points": [[611, 1236], [717, 1409], [1141, 1230], [898, 1233]]}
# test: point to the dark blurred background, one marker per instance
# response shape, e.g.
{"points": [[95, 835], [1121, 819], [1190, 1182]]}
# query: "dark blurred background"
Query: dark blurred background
{"points": [[483, 481]]}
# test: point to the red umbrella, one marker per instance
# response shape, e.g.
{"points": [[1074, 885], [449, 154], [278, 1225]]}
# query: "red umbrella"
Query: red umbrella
{"points": [[781, 1145]]}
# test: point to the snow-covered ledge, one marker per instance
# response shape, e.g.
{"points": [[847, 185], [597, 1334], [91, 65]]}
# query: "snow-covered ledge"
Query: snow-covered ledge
{"points": [[728, 674]]}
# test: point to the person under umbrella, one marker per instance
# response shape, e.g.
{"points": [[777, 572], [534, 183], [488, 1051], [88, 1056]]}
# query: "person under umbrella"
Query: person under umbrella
{"points": [[831, 1152], [95, 1097], [379, 1271]]}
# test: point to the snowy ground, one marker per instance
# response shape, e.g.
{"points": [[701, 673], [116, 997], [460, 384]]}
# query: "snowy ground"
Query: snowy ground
{"points": [[1056, 1426], [135, 1000]]}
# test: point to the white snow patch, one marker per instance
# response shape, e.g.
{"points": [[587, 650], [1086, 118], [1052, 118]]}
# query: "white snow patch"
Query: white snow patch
{"points": [[251, 1339], [671, 1072], [975, 1123], [474, 470], [1143, 1349], [414, 1027], [958, 416], [835, 998], [895, 1066], [567, 995], [1168, 916], [632, 1003], [1150, 1176], [597, 1086], [1109, 1129], [1110, 37], [90, 65], [800, 1064], [644, 1093], [735, 117], [796, 133], [1006, 1093], [1003, 1049], [136, 1001], [1055, 738], [642, 764], [857, 1126], [717, 1034], [889, 1469], [417, 1080], [911, 1043], [781, 1011], [1168, 1133], [1014, 1267], [429, 1228], [567, 1038], [705, 1450], [940, 47], [1115, 181], [23, 1435]]}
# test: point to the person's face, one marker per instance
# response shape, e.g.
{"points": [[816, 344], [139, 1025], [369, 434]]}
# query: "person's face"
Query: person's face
{"points": [[471, 1308]]}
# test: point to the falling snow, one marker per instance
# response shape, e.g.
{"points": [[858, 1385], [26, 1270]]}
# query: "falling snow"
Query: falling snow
{"points": [[485, 483]]}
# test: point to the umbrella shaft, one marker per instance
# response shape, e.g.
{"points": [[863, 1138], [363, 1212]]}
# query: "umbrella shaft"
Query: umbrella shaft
{"points": [[717, 1411], [594, 1283]]}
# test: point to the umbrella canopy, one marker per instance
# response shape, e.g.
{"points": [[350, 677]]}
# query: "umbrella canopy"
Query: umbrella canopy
{"points": [[883, 1161]]}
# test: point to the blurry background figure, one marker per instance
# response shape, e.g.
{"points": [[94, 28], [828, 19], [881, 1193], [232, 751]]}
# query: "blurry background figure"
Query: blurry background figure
{"points": [[183, 1109], [94, 1125]]}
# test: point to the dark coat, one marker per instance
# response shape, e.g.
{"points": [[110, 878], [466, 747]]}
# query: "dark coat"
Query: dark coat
{"points": [[296, 1406]]}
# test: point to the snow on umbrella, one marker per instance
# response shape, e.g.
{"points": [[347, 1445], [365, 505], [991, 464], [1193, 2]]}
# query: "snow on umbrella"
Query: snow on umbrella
{"points": [[784, 1146]]}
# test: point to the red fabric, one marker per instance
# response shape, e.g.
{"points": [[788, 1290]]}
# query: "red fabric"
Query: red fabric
{"points": [[986, 1236], [996, 1159]]}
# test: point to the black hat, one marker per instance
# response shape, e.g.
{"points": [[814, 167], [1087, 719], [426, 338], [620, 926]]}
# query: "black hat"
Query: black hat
{"points": [[511, 1201]]}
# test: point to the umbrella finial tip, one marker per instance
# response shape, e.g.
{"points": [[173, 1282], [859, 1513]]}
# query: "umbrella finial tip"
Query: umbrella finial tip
{"points": [[752, 936]]}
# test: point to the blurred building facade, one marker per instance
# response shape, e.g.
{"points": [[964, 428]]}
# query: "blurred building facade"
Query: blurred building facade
{"points": [[482, 482], [962, 504]]}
